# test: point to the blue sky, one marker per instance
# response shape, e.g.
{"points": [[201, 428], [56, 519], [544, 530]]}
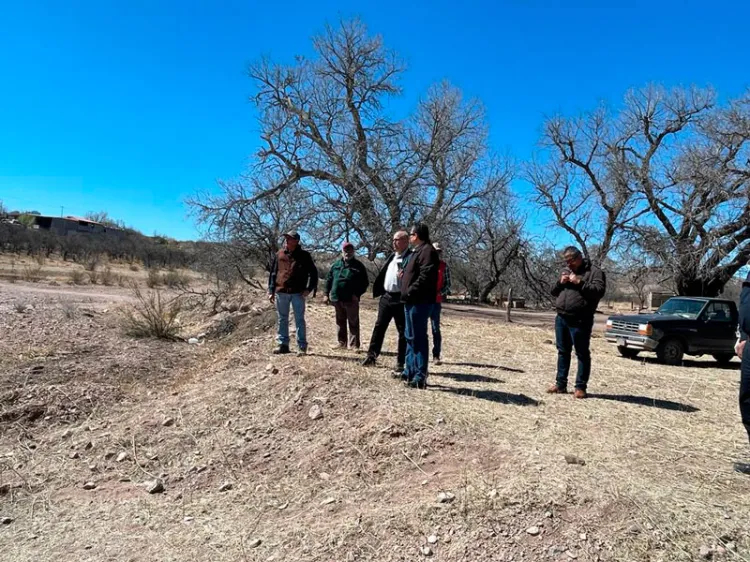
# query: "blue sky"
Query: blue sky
{"points": [[130, 107]]}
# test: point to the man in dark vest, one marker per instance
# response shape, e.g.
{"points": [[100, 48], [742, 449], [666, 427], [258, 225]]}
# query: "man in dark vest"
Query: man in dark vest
{"points": [[293, 277], [346, 283], [578, 292], [419, 287], [387, 286], [743, 351]]}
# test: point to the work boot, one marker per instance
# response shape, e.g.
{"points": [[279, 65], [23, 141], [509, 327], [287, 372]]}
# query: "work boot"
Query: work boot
{"points": [[369, 361], [282, 349], [302, 352], [554, 389], [580, 393], [437, 360], [420, 384]]}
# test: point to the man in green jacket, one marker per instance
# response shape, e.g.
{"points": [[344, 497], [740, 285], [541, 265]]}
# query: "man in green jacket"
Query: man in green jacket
{"points": [[346, 283]]}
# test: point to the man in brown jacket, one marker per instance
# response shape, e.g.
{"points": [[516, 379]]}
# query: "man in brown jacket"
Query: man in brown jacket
{"points": [[293, 277], [419, 292]]}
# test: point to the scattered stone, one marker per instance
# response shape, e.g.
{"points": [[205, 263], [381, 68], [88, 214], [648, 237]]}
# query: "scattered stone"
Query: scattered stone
{"points": [[572, 555], [553, 551], [226, 486], [446, 497], [324, 476], [155, 486], [5, 520], [74, 455], [720, 551], [583, 536], [705, 552], [4, 489], [315, 413], [548, 515], [93, 467], [533, 531], [88, 446], [328, 501], [168, 422], [572, 459], [188, 519], [432, 539], [447, 538], [194, 341], [426, 550], [89, 486], [493, 494], [271, 368], [255, 543], [37, 369], [67, 433], [731, 546], [123, 456], [441, 420]]}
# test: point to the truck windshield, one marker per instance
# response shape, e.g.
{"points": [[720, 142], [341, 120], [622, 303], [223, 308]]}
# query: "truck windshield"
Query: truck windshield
{"points": [[682, 307]]}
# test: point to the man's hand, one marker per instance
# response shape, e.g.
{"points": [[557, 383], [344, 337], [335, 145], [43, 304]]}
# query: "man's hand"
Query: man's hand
{"points": [[564, 279], [739, 348], [305, 294], [272, 297], [575, 279], [326, 300]]}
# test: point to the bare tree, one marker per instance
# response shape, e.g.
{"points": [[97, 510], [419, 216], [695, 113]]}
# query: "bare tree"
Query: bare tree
{"points": [[326, 134], [669, 175]]}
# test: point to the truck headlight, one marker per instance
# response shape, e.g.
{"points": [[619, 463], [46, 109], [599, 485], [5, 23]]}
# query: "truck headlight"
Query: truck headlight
{"points": [[645, 329], [609, 323]]}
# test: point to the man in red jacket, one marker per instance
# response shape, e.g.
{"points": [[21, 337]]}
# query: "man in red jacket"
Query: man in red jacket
{"points": [[444, 289]]}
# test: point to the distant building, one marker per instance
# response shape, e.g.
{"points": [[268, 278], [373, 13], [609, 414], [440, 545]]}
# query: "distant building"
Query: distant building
{"points": [[66, 225]]}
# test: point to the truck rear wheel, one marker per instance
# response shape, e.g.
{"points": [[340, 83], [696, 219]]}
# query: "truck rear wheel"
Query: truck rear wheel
{"points": [[671, 352], [723, 358], [628, 352]]}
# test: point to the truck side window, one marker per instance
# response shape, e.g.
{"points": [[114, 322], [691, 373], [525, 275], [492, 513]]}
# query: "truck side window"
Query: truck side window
{"points": [[718, 312]]}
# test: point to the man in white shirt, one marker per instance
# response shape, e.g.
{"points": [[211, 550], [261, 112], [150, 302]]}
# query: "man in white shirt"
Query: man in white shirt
{"points": [[387, 286]]}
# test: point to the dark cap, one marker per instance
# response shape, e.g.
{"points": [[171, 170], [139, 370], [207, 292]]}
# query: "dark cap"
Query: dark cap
{"points": [[346, 245], [437, 246], [292, 234]]}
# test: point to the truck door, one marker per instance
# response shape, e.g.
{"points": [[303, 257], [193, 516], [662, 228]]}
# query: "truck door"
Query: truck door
{"points": [[718, 327]]}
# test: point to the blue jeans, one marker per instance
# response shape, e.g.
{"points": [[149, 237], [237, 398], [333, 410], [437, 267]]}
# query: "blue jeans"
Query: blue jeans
{"points": [[437, 337], [573, 334], [283, 300], [417, 345]]}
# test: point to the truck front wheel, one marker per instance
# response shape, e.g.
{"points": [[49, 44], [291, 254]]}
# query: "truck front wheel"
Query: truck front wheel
{"points": [[671, 352]]}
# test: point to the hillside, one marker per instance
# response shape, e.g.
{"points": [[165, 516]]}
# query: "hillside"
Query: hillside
{"points": [[474, 468]]}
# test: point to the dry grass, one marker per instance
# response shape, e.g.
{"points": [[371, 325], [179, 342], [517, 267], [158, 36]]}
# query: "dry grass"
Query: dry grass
{"points": [[361, 483], [153, 316]]}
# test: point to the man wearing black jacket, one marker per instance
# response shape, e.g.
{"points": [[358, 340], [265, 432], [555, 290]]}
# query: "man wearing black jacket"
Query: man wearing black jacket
{"points": [[743, 351], [581, 287], [387, 286], [419, 292]]}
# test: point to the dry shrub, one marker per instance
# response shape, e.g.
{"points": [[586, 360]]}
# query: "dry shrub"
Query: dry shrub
{"points": [[69, 310], [40, 258], [175, 279], [32, 273], [122, 281], [154, 279], [108, 277], [77, 277], [93, 277], [134, 267], [92, 263], [153, 316], [19, 307]]}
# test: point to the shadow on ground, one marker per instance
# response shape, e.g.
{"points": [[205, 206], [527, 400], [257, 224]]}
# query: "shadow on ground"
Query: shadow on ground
{"points": [[484, 366], [646, 401], [467, 377], [490, 395], [731, 366]]}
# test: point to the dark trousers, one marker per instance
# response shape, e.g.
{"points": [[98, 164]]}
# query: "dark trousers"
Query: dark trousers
{"points": [[347, 313], [573, 334], [390, 308], [417, 345], [437, 337], [745, 389]]}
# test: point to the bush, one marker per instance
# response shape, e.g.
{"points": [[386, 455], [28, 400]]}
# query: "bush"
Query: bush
{"points": [[32, 273], [175, 279], [93, 277], [152, 316], [77, 277], [134, 267], [107, 277], [154, 279]]}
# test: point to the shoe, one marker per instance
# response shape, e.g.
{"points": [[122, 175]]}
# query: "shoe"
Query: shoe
{"points": [[554, 389], [368, 362], [579, 393], [398, 373], [281, 350], [420, 384], [437, 360], [302, 352], [742, 468]]}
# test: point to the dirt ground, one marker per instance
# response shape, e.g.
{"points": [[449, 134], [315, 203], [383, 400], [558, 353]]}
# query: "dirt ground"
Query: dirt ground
{"points": [[318, 459]]}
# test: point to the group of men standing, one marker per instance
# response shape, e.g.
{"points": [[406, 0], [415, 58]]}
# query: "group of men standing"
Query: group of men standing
{"points": [[411, 286]]}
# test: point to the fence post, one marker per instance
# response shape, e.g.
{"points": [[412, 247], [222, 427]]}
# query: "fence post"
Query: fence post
{"points": [[510, 304]]}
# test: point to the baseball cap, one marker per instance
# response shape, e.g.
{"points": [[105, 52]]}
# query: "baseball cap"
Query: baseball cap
{"points": [[346, 245], [292, 234], [438, 247]]}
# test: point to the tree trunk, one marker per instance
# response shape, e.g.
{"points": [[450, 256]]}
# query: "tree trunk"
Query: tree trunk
{"points": [[484, 294], [688, 286], [510, 304]]}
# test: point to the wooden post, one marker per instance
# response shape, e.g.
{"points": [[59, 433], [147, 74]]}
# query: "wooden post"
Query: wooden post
{"points": [[510, 303]]}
